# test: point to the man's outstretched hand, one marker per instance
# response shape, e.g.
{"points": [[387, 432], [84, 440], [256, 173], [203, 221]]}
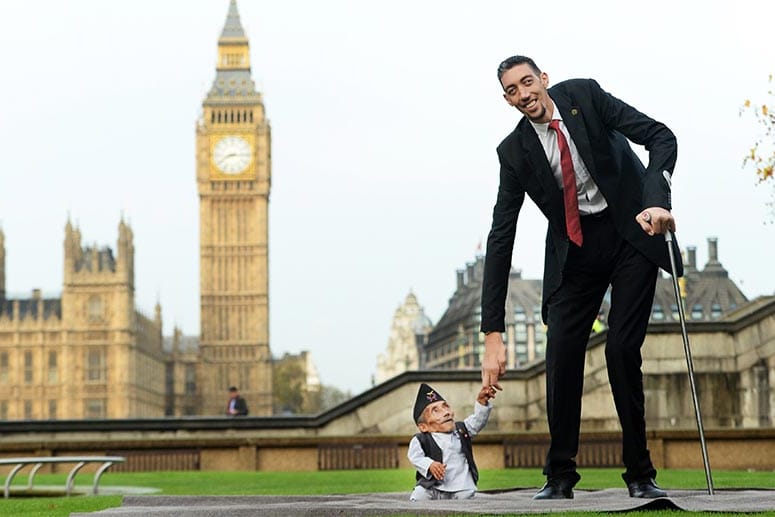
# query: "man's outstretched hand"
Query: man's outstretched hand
{"points": [[494, 362]]}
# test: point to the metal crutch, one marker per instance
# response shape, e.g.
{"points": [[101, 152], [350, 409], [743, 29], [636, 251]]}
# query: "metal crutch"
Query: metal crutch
{"points": [[688, 352]]}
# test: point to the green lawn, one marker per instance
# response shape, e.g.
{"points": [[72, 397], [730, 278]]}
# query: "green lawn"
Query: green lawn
{"points": [[340, 482]]}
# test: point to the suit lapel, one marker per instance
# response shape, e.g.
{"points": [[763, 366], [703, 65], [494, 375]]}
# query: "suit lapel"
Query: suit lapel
{"points": [[574, 121], [537, 158]]}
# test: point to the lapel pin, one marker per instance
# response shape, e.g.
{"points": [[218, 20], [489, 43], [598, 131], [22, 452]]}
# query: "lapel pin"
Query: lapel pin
{"points": [[574, 111]]}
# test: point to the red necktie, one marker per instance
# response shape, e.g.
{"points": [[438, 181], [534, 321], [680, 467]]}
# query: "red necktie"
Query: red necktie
{"points": [[572, 220]]}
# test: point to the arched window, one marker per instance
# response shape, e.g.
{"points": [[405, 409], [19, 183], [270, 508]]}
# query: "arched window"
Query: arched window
{"points": [[95, 309]]}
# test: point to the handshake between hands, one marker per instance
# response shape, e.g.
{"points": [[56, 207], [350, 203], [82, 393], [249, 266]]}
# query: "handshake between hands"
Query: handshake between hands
{"points": [[485, 394]]}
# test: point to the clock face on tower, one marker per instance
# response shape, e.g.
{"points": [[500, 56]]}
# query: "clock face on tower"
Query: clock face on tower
{"points": [[232, 154]]}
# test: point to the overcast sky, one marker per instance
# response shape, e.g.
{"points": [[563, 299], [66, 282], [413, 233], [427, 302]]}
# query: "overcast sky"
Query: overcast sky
{"points": [[385, 116]]}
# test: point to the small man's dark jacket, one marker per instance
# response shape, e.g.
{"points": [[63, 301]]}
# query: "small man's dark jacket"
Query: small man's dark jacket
{"points": [[432, 450]]}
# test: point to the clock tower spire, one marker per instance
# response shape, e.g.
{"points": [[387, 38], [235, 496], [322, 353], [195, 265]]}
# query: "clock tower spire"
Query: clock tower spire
{"points": [[233, 48], [233, 27], [233, 171]]}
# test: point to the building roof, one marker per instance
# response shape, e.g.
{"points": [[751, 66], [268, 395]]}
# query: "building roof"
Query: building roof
{"points": [[708, 293], [465, 305], [104, 259], [185, 343], [233, 26], [29, 308]]}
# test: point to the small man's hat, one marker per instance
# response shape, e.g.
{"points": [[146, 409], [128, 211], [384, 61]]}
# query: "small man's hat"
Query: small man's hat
{"points": [[425, 396]]}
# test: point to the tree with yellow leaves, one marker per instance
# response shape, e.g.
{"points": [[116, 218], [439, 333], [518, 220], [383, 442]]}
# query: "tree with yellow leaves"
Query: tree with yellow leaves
{"points": [[762, 154]]}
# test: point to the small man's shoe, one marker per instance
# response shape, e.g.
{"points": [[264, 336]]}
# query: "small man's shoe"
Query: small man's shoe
{"points": [[645, 488], [556, 489]]}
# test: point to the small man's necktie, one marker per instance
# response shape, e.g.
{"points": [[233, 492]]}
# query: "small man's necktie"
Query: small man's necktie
{"points": [[572, 219]]}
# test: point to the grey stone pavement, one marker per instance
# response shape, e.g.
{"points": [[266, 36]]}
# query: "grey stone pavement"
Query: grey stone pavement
{"points": [[506, 502]]}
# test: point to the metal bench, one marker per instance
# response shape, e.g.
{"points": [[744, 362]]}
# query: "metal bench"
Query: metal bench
{"points": [[39, 461]]}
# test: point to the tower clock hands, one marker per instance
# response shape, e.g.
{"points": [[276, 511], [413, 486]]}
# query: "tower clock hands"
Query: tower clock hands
{"points": [[232, 154]]}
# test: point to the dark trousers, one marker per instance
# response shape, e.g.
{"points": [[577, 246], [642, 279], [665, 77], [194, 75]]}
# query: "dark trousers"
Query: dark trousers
{"points": [[604, 259]]}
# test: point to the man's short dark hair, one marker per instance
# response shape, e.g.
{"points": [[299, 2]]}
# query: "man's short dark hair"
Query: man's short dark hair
{"points": [[511, 62], [233, 388]]}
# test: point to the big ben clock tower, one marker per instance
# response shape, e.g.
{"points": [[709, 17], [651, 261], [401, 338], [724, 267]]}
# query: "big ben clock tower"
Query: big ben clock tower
{"points": [[233, 171]]}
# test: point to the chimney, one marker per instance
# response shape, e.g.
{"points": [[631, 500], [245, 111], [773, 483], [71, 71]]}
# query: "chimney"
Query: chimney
{"points": [[37, 303], [177, 335], [461, 282], [470, 272], [712, 249], [691, 260], [714, 267], [95, 258]]}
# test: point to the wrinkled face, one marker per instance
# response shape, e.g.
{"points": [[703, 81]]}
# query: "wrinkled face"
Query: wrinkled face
{"points": [[438, 418], [526, 91]]}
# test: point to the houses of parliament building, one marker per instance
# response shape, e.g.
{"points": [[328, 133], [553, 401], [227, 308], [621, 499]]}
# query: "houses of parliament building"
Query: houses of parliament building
{"points": [[91, 354]]}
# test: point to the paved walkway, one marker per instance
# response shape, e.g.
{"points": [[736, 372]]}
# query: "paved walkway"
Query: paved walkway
{"points": [[511, 502]]}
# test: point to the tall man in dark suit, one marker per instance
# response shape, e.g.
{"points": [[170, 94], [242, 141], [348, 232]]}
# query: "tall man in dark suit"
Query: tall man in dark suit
{"points": [[606, 214]]}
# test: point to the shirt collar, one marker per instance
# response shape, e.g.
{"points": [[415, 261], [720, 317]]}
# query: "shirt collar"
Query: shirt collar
{"points": [[543, 128]]}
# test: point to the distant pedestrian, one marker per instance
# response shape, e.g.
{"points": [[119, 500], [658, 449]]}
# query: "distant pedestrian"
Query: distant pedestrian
{"points": [[237, 405]]}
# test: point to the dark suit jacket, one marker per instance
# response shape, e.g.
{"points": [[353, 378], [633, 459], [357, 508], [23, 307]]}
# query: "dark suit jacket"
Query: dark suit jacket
{"points": [[239, 405], [600, 125]]}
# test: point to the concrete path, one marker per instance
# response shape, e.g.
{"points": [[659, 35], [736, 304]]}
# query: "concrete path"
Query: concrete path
{"points": [[508, 502]]}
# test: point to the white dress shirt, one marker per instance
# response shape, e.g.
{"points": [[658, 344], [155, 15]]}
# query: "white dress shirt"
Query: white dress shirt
{"points": [[457, 476], [591, 200]]}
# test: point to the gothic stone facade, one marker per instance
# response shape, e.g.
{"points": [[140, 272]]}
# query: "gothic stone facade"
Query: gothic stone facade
{"points": [[408, 332], [88, 354], [91, 355]]}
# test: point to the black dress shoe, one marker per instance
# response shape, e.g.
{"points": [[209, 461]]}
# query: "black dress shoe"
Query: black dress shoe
{"points": [[645, 488], [556, 489]]}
